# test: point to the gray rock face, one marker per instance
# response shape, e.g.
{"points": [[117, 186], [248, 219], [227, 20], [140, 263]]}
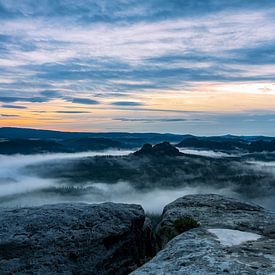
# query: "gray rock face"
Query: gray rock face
{"points": [[215, 211], [233, 238], [199, 252], [73, 239]]}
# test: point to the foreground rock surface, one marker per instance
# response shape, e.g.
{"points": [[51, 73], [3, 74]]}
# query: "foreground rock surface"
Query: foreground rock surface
{"points": [[73, 239], [199, 252], [233, 238], [215, 211]]}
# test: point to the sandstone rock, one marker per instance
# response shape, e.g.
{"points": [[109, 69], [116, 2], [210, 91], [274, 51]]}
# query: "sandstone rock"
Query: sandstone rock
{"points": [[164, 149], [233, 238], [73, 239], [215, 211], [197, 251]]}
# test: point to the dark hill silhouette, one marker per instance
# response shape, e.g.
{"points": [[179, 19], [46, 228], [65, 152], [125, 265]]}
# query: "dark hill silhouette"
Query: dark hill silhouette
{"points": [[161, 149], [35, 146], [88, 144], [29, 141], [224, 144], [30, 146], [262, 146]]}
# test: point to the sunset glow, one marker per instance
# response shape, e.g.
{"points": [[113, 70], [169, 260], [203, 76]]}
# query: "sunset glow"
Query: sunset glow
{"points": [[128, 66]]}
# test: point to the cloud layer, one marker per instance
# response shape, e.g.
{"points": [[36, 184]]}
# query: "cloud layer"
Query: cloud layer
{"points": [[114, 58]]}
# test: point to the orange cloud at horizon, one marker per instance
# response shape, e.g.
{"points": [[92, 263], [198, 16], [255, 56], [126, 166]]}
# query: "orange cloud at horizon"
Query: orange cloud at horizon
{"points": [[218, 98]]}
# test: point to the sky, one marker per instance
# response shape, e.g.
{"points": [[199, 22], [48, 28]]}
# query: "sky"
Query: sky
{"points": [[204, 67]]}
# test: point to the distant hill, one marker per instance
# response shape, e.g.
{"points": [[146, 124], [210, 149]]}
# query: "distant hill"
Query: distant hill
{"points": [[135, 138], [29, 141], [229, 144], [161, 166], [164, 149], [91, 144], [25, 133], [216, 144], [35, 146], [29, 146]]}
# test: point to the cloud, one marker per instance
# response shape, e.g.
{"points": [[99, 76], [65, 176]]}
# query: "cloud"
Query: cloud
{"points": [[127, 103], [260, 54], [10, 99], [143, 49], [13, 106], [86, 101], [50, 94], [148, 120], [94, 11], [72, 112], [70, 53], [8, 116], [157, 110]]}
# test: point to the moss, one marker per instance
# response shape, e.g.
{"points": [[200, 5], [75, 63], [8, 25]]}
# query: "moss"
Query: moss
{"points": [[183, 224]]}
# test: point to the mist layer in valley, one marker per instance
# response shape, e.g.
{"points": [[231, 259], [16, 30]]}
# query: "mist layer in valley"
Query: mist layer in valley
{"points": [[121, 176]]}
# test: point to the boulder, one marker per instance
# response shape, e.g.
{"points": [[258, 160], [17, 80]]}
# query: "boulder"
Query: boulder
{"points": [[199, 251], [77, 238], [215, 211], [211, 234]]}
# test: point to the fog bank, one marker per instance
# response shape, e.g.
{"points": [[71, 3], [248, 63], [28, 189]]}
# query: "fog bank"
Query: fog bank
{"points": [[18, 189]]}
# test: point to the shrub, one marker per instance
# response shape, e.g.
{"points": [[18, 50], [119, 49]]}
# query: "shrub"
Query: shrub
{"points": [[183, 224]]}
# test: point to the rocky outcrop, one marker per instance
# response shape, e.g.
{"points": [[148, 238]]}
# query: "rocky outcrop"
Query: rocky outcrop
{"points": [[73, 239], [198, 234], [164, 149], [222, 236], [199, 252], [214, 211]]}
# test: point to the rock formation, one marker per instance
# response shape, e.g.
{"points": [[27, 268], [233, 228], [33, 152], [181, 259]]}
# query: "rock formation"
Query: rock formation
{"points": [[197, 234], [228, 236], [73, 239], [198, 251], [215, 211], [164, 149]]}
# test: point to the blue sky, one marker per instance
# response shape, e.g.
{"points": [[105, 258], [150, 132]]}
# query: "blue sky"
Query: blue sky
{"points": [[192, 66]]}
